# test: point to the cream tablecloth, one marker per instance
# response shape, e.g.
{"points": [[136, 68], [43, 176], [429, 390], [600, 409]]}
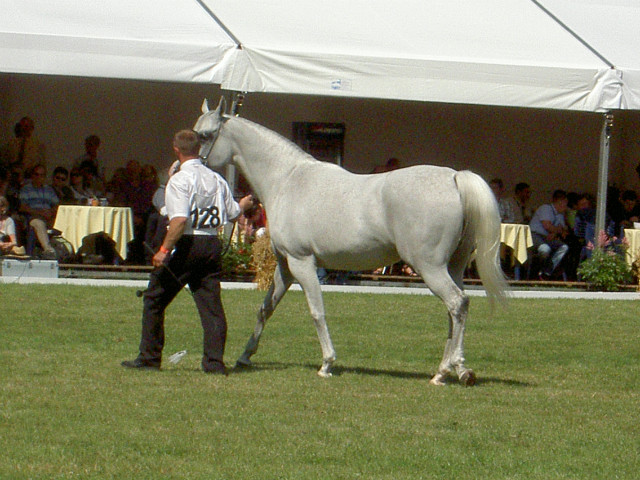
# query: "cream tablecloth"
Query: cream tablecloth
{"points": [[633, 237], [518, 237], [76, 222]]}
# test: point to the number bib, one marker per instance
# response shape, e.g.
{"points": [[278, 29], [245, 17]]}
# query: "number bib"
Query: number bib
{"points": [[205, 218]]}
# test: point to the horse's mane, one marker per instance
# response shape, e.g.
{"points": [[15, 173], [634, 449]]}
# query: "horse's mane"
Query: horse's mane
{"points": [[277, 145]]}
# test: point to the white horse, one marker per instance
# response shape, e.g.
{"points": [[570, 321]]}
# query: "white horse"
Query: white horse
{"points": [[321, 215]]}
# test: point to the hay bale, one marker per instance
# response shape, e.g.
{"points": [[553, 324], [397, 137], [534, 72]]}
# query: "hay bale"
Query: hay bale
{"points": [[263, 261]]}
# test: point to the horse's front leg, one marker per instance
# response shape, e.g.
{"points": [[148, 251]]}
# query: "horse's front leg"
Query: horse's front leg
{"points": [[282, 280], [306, 273]]}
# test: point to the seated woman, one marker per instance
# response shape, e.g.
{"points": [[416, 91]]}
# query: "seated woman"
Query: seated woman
{"points": [[8, 238], [81, 192]]}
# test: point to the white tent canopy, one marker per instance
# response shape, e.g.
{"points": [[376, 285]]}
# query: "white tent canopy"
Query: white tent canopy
{"points": [[561, 54]]}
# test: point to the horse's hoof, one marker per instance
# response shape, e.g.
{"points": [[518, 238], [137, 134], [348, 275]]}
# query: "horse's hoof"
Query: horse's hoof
{"points": [[324, 374], [243, 363], [437, 380], [468, 378]]}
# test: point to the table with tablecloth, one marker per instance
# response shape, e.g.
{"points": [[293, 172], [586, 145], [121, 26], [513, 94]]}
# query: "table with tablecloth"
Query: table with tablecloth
{"points": [[633, 237], [517, 237], [76, 222]]}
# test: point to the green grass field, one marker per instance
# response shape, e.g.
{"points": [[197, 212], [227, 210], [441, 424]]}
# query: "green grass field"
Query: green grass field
{"points": [[557, 394]]}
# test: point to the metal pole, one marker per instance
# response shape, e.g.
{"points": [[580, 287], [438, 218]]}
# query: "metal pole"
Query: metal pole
{"points": [[603, 171], [215, 18], [231, 174]]}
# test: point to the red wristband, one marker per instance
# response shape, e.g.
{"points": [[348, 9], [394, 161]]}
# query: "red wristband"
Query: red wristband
{"points": [[163, 250]]}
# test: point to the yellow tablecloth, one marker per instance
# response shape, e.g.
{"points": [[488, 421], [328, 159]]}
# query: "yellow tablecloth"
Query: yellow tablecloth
{"points": [[633, 237], [76, 222], [518, 237]]}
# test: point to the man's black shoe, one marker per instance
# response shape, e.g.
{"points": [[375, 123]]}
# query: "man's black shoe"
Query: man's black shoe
{"points": [[139, 363], [216, 371]]}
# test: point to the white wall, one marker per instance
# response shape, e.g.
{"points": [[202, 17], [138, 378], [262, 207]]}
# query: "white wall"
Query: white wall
{"points": [[135, 119]]}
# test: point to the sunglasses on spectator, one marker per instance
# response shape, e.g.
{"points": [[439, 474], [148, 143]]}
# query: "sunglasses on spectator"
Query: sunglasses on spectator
{"points": [[61, 178]]}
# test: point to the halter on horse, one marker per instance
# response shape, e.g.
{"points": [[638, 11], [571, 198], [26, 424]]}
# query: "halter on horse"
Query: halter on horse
{"points": [[320, 215]]}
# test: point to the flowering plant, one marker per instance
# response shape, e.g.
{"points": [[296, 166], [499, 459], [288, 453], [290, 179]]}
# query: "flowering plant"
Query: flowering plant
{"points": [[236, 259], [607, 268]]}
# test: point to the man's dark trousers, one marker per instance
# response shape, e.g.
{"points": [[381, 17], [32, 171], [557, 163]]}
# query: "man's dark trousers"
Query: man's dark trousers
{"points": [[196, 261]]}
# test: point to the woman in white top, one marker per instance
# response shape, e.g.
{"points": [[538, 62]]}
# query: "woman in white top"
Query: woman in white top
{"points": [[8, 238], [83, 195]]}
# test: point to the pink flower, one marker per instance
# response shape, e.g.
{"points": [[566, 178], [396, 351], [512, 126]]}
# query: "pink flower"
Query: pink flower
{"points": [[603, 239]]}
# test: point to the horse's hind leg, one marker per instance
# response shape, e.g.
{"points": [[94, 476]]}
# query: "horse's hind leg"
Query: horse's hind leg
{"points": [[282, 280], [457, 304]]}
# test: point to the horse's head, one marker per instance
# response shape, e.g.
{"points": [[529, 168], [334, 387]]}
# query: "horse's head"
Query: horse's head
{"points": [[208, 128]]}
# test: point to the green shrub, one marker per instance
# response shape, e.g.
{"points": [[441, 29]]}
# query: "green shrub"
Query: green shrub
{"points": [[607, 267]]}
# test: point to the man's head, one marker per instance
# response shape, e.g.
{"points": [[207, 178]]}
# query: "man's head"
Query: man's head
{"points": [[560, 201], [186, 144], [91, 145], [75, 177], [523, 192], [26, 127], [584, 202], [629, 199], [392, 164], [60, 177], [4, 206], [497, 185], [133, 169], [38, 175]]}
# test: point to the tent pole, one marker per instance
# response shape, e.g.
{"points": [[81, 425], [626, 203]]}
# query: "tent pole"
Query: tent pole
{"points": [[215, 18], [603, 170]]}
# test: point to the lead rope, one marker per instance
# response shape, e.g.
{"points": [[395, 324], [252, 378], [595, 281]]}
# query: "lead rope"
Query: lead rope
{"points": [[226, 249]]}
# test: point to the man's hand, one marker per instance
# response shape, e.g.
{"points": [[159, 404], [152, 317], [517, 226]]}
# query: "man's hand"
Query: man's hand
{"points": [[246, 202], [159, 258], [174, 232], [565, 232]]}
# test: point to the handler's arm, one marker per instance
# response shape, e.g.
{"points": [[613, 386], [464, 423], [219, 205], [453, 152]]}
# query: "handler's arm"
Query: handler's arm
{"points": [[174, 232]]}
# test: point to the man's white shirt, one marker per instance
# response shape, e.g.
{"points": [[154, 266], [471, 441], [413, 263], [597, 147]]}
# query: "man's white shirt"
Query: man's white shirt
{"points": [[201, 195]]}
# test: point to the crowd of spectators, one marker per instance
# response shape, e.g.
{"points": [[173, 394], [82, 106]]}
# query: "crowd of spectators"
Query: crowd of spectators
{"points": [[32, 198], [564, 229]]}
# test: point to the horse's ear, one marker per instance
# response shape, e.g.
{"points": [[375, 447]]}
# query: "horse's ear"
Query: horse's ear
{"points": [[205, 106], [222, 106]]}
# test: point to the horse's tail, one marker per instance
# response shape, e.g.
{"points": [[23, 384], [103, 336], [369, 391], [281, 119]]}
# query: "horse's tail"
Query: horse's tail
{"points": [[482, 227]]}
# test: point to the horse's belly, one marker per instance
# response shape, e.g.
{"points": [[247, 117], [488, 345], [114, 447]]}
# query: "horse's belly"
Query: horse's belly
{"points": [[356, 263], [358, 256]]}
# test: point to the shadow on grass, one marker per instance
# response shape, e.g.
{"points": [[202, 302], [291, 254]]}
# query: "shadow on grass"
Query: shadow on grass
{"points": [[503, 381], [339, 370], [262, 366]]}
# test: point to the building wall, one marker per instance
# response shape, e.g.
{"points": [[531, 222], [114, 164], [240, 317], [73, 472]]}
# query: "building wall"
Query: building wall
{"points": [[136, 120]]}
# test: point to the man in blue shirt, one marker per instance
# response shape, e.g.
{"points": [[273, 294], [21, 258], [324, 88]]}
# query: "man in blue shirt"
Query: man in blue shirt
{"points": [[548, 229], [40, 203]]}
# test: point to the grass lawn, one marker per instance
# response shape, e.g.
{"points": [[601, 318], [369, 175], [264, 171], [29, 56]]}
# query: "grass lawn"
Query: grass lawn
{"points": [[557, 394]]}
